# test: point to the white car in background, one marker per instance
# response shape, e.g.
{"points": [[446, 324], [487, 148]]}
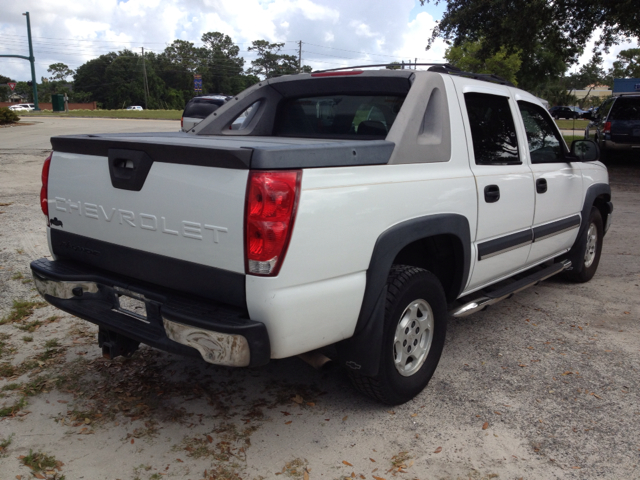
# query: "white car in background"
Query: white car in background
{"points": [[134, 107], [22, 107]]}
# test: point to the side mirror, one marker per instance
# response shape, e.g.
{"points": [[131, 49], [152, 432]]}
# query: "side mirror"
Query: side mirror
{"points": [[584, 151]]}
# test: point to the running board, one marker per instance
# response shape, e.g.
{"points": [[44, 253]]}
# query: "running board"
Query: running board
{"points": [[496, 296]]}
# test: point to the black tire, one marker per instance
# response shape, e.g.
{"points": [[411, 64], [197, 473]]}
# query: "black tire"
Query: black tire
{"points": [[408, 287], [592, 246]]}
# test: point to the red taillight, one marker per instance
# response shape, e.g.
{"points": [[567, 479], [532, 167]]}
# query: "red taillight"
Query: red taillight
{"points": [[181, 123], [607, 127], [337, 74], [44, 204], [272, 198]]}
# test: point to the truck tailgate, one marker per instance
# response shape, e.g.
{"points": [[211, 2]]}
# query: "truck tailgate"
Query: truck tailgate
{"points": [[183, 220]]}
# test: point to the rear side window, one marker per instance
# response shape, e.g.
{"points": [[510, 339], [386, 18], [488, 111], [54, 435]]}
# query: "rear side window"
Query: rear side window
{"points": [[626, 109], [201, 107], [492, 129], [338, 116]]}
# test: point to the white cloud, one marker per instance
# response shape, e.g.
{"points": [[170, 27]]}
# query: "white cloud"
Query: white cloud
{"points": [[362, 29], [415, 39], [334, 33]]}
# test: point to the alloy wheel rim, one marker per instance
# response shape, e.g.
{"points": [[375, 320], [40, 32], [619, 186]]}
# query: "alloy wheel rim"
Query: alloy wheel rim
{"points": [[592, 241], [413, 337]]}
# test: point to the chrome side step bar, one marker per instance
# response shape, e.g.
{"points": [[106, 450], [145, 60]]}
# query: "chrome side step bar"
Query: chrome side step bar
{"points": [[496, 296]]}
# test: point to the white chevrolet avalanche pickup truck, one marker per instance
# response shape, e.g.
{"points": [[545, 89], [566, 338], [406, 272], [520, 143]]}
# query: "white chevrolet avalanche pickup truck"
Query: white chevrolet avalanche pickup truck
{"points": [[356, 209]]}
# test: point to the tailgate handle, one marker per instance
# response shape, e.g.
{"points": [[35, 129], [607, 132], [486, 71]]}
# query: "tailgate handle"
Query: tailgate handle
{"points": [[128, 168]]}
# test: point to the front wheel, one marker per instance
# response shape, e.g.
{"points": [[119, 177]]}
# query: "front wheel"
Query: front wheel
{"points": [[591, 242], [413, 338]]}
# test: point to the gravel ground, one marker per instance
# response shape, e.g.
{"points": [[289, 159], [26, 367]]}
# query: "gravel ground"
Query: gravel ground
{"points": [[541, 386]]}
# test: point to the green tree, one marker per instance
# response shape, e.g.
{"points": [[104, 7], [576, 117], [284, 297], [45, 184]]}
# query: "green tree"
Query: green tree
{"points": [[271, 62], [221, 63], [547, 34], [627, 65], [23, 89], [59, 72], [467, 57], [5, 91], [90, 78]]}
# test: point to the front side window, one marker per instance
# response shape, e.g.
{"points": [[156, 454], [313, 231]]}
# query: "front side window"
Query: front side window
{"points": [[493, 131], [545, 145], [338, 116]]}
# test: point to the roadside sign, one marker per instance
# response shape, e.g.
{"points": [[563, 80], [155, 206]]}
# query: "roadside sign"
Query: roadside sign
{"points": [[197, 83], [12, 85]]}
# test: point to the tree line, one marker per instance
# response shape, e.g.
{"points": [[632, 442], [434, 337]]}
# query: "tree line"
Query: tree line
{"points": [[163, 80], [531, 43], [555, 87]]}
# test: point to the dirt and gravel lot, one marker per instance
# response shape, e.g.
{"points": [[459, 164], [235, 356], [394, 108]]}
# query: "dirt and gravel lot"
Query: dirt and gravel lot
{"points": [[541, 386]]}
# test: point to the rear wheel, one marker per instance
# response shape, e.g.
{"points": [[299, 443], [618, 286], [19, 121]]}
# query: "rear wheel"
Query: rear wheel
{"points": [[413, 338], [591, 242]]}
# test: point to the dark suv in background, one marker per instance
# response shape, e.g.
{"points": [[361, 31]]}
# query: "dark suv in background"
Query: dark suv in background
{"points": [[616, 126], [199, 108]]}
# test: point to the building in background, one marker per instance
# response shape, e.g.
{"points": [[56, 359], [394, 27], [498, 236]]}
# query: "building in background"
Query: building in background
{"points": [[626, 85]]}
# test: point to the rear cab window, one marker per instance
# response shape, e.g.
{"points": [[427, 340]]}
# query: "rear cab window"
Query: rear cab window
{"points": [[338, 116]]}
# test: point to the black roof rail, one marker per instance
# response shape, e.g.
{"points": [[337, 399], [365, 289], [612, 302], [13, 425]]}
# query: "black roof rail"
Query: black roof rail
{"points": [[433, 67]]}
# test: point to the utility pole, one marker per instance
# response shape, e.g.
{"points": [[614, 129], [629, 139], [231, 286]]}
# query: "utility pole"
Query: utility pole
{"points": [[300, 56], [31, 58], [146, 85]]}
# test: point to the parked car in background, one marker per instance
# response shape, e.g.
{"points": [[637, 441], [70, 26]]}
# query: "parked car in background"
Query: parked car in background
{"points": [[199, 108], [22, 107], [581, 113], [563, 112], [616, 125], [134, 107]]}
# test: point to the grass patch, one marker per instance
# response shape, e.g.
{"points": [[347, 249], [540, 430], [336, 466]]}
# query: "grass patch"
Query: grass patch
{"points": [[13, 409], [21, 309], [4, 444], [28, 338], [7, 370], [3, 337], [34, 387], [17, 276], [51, 349], [580, 124], [144, 114], [38, 461], [30, 326], [11, 386]]}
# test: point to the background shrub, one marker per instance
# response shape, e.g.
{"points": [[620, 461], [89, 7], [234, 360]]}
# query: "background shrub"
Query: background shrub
{"points": [[8, 116]]}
